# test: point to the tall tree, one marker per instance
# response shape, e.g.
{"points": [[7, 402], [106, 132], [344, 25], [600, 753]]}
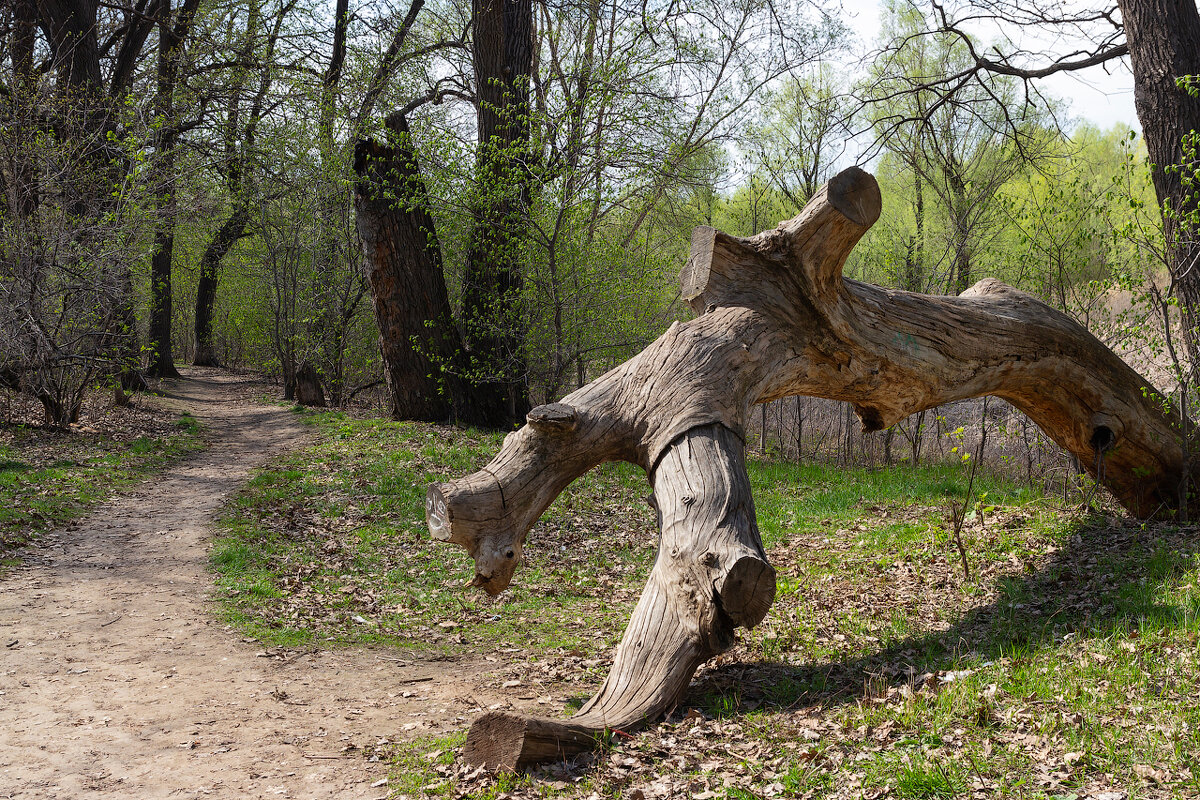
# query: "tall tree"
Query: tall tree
{"points": [[493, 324], [173, 28], [963, 151], [77, 214], [239, 139], [1161, 39], [803, 133], [606, 119], [403, 262]]}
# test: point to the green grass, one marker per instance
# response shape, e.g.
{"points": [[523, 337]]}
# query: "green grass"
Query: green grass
{"points": [[424, 762], [338, 530], [48, 478], [1065, 665], [922, 780]]}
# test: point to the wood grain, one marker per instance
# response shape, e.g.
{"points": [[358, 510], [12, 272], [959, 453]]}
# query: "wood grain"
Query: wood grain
{"points": [[776, 318]]}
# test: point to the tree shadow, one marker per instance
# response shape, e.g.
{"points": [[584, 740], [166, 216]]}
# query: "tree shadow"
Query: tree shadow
{"points": [[1105, 578]]}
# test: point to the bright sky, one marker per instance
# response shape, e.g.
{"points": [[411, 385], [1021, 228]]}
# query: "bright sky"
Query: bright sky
{"points": [[1091, 95]]}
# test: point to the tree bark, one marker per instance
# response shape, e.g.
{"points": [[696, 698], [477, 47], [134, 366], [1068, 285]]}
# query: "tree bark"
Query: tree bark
{"points": [[162, 363], [233, 229], [711, 575], [403, 261], [71, 26], [326, 331], [171, 36], [23, 194], [493, 328], [1164, 44], [776, 318], [307, 389]]}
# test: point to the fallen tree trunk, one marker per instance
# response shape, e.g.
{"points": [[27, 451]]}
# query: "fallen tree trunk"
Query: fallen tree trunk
{"points": [[776, 318], [711, 575]]}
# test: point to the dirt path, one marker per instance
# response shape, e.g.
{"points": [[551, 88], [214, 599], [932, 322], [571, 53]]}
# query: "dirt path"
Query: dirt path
{"points": [[115, 680]]}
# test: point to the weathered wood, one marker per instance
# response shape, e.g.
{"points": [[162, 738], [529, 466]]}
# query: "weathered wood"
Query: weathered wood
{"points": [[500, 740], [308, 390], [710, 576], [776, 318]]}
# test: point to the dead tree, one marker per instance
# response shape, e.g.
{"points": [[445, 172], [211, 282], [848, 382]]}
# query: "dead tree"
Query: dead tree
{"points": [[776, 318]]}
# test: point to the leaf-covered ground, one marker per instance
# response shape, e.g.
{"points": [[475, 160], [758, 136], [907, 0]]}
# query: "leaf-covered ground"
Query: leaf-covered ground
{"points": [[49, 476], [1065, 666]]}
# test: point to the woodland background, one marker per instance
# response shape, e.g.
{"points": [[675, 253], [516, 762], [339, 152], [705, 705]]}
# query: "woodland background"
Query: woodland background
{"points": [[179, 183]]}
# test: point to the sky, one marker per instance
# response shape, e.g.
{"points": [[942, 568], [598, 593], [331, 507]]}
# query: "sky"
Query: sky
{"points": [[1092, 95]]}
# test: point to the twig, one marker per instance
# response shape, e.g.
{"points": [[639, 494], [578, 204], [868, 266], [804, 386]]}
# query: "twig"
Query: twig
{"points": [[959, 516], [975, 766]]}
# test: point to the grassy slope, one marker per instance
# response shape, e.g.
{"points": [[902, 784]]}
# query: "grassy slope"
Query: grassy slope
{"points": [[1067, 664], [48, 478]]}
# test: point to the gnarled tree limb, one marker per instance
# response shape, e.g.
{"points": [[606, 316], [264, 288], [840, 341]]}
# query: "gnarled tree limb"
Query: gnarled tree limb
{"points": [[776, 318]]}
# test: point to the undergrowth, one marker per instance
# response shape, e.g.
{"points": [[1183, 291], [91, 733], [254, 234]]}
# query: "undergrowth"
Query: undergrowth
{"points": [[1065, 666]]}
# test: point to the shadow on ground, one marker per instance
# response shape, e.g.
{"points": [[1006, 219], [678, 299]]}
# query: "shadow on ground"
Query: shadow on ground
{"points": [[1105, 578]]}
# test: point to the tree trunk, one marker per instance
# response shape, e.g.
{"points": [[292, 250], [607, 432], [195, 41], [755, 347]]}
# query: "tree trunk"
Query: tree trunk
{"points": [[493, 328], [162, 364], [238, 152], [326, 334], [403, 261], [171, 35], [776, 318], [1164, 44], [960, 230], [710, 576], [206, 289], [307, 389], [71, 26]]}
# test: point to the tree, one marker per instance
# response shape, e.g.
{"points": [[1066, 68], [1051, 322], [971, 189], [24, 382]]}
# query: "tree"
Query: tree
{"points": [[65, 256], [255, 55], [804, 132], [493, 325], [173, 29], [963, 151], [79, 173], [403, 262], [774, 318], [1161, 39], [610, 122], [1063, 223]]}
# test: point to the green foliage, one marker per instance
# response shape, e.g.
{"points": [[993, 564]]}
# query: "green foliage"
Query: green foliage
{"points": [[623, 123]]}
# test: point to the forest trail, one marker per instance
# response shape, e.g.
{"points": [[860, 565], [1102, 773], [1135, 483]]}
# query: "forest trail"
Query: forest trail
{"points": [[117, 681]]}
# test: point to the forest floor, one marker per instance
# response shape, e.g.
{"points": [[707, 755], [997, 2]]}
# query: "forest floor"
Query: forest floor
{"points": [[117, 680], [1063, 667], [269, 618]]}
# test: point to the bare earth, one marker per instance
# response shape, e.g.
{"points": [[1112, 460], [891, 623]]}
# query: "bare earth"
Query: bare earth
{"points": [[116, 680]]}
